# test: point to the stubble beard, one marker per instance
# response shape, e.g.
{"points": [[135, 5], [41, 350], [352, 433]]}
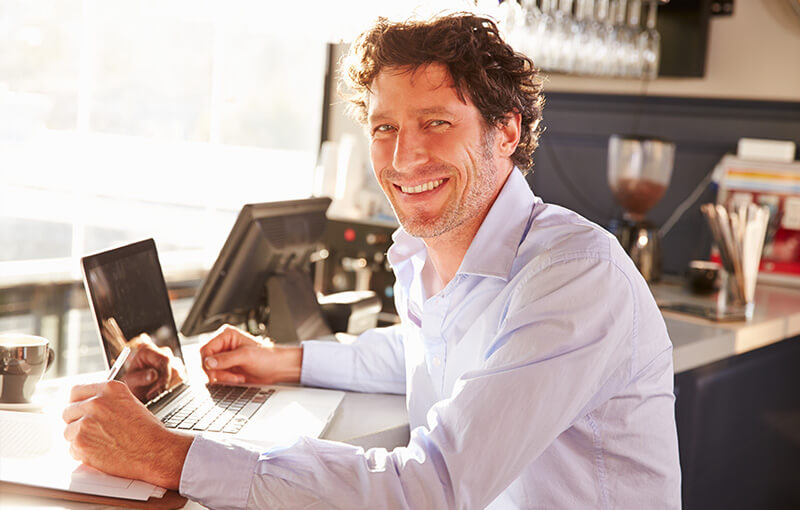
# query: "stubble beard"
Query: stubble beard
{"points": [[456, 213]]}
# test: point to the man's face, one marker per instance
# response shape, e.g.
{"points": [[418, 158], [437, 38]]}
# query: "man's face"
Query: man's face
{"points": [[431, 152]]}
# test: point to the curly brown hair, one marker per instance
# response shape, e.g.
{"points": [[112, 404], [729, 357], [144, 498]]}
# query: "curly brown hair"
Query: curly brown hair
{"points": [[483, 67]]}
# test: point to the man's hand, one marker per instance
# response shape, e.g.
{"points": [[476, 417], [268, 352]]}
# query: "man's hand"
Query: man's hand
{"points": [[151, 369], [233, 356], [109, 429]]}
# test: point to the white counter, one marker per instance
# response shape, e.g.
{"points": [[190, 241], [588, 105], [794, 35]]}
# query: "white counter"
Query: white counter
{"points": [[699, 341], [370, 420]]}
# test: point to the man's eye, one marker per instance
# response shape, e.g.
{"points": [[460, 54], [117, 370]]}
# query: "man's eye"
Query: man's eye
{"points": [[437, 123], [383, 128]]}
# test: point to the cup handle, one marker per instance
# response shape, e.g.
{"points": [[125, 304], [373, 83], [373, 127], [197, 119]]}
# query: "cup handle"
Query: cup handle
{"points": [[51, 355]]}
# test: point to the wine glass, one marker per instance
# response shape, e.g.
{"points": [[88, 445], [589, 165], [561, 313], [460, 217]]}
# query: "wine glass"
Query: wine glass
{"points": [[589, 44], [545, 35], [565, 33], [529, 41], [633, 58], [622, 38], [650, 44], [606, 12], [511, 19]]}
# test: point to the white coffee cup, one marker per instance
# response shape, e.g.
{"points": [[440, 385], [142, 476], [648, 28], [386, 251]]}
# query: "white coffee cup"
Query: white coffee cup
{"points": [[23, 361]]}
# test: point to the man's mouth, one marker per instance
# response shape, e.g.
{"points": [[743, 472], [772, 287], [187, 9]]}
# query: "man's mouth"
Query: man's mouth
{"points": [[430, 185]]}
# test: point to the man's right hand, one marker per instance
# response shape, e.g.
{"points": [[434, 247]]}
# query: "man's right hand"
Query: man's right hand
{"points": [[233, 356]]}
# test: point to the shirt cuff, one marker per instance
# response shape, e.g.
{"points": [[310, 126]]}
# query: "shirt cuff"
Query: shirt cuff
{"points": [[218, 475], [326, 364]]}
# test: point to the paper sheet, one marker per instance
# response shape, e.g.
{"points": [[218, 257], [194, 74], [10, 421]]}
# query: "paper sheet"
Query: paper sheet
{"points": [[34, 452]]}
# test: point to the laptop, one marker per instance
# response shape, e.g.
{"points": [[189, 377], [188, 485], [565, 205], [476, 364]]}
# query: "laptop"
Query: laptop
{"points": [[128, 297]]}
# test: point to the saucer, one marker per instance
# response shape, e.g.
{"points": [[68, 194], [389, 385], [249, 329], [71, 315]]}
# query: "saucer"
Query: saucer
{"points": [[33, 406]]}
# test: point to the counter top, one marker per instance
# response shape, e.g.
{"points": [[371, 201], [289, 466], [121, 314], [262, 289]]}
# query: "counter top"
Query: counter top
{"points": [[699, 341], [370, 420]]}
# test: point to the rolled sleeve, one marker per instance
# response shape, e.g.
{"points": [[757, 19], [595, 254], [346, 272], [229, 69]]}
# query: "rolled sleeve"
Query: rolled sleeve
{"points": [[326, 365], [218, 475], [374, 362]]}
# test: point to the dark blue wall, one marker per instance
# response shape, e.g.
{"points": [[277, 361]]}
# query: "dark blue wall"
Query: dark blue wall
{"points": [[570, 163]]}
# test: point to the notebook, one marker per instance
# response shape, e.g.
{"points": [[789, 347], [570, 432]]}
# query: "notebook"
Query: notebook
{"points": [[128, 297], [34, 453]]}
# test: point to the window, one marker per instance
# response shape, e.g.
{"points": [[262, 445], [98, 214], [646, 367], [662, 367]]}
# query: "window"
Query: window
{"points": [[121, 120]]}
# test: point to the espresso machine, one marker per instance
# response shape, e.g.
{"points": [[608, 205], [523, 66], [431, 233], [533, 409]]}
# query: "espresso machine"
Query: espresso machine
{"points": [[355, 260], [639, 171]]}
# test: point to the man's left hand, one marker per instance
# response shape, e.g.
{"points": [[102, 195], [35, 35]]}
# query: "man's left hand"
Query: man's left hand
{"points": [[109, 429]]}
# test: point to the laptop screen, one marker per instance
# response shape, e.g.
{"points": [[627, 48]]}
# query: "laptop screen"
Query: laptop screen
{"points": [[131, 306]]}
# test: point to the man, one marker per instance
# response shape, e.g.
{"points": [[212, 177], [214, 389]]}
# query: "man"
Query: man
{"points": [[537, 367]]}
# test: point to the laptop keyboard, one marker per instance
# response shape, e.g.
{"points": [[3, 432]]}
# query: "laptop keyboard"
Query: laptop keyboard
{"points": [[223, 409]]}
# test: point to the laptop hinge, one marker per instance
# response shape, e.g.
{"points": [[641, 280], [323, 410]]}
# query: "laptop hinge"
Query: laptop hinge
{"points": [[161, 400]]}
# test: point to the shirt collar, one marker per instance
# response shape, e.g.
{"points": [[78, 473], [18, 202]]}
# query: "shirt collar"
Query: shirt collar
{"points": [[404, 247], [494, 247]]}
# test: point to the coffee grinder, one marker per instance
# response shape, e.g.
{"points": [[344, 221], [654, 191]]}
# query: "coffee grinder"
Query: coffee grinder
{"points": [[639, 171]]}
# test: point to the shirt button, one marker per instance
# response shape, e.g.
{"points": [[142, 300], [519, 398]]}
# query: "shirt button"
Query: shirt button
{"points": [[437, 361]]}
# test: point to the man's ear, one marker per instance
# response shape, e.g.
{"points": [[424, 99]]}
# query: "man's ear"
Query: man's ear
{"points": [[508, 131]]}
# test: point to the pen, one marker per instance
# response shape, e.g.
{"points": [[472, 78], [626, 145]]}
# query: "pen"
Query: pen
{"points": [[115, 368]]}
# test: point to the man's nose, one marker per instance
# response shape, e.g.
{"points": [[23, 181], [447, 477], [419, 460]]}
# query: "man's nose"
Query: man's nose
{"points": [[409, 151]]}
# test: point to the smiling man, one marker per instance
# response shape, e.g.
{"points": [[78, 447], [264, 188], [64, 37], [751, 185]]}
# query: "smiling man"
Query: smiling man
{"points": [[537, 367]]}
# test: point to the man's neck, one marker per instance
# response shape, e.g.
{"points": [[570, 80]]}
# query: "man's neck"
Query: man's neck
{"points": [[447, 251]]}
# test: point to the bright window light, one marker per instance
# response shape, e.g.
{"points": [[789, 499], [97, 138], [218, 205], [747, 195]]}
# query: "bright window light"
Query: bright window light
{"points": [[121, 120]]}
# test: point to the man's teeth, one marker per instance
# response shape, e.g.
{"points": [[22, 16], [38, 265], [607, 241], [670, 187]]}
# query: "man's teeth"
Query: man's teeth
{"points": [[422, 187]]}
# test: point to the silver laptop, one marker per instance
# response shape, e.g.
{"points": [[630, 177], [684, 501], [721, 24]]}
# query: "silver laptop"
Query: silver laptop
{"points": [[128, 297]]}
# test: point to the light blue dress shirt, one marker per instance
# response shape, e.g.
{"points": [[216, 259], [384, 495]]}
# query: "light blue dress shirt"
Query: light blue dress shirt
{"points": [[539, 377]]}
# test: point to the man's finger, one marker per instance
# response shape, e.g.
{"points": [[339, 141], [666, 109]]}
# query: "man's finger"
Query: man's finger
{"points": [[71, 431], [222, 376], [84, 391], [227, 359], [227, 338], [221, 341], [73, 412]]}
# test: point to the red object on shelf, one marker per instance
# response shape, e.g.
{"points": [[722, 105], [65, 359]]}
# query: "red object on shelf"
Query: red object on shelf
{"points": [[776, 185]]}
